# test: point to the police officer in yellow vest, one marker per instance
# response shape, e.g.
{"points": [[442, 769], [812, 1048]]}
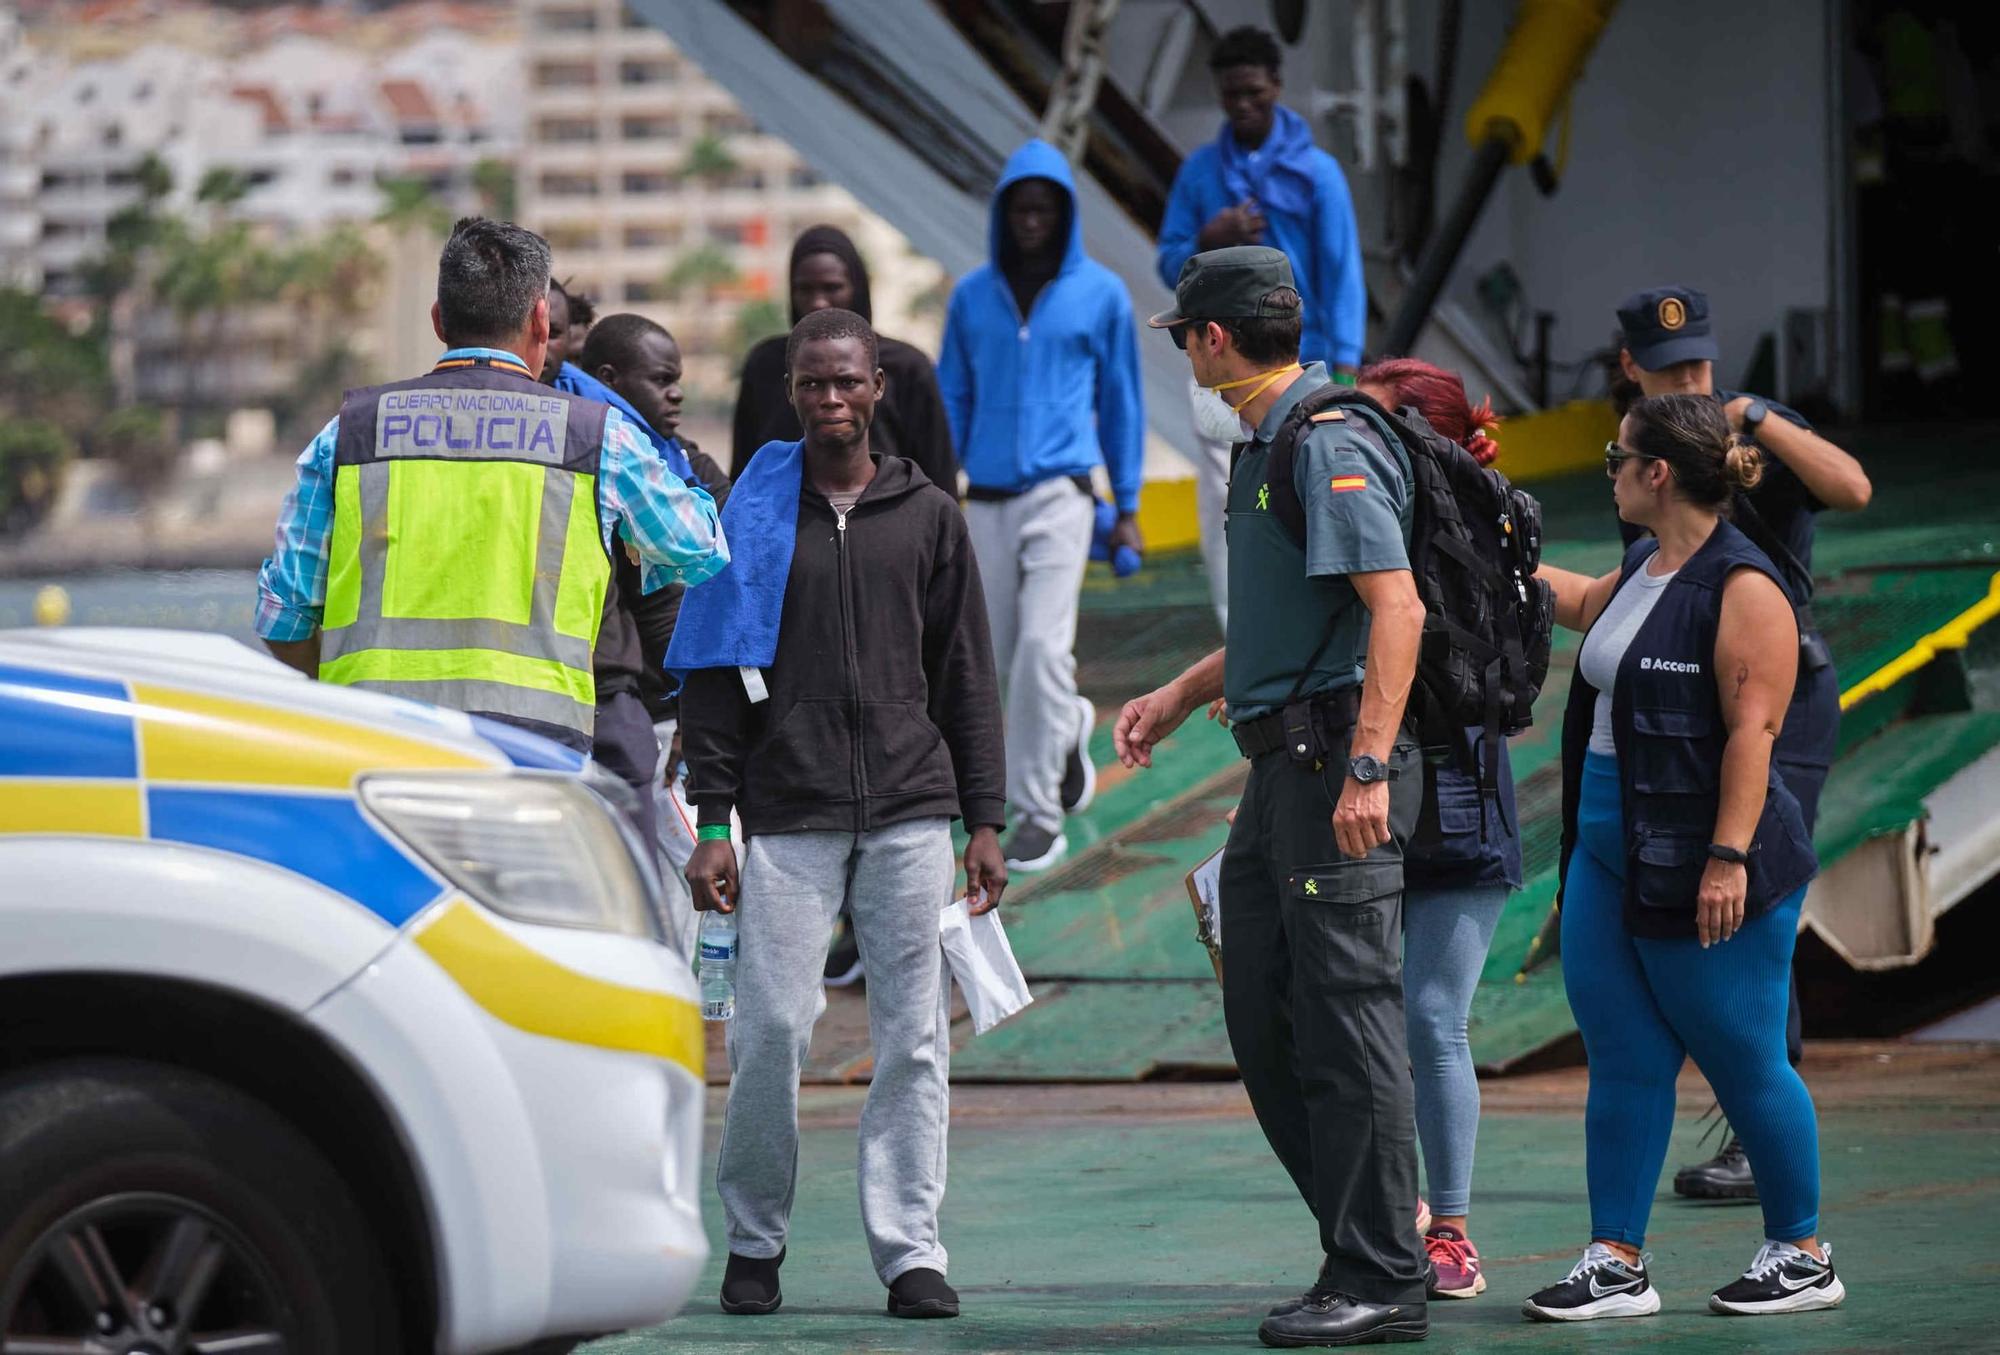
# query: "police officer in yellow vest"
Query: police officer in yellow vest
{"points": [[450, 537]]}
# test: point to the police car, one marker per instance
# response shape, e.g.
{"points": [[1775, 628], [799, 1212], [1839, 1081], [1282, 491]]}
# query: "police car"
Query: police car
{"points": [[329, 1023]]}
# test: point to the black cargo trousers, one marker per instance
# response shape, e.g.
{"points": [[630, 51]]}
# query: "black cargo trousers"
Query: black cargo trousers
{"points": [[1312, 960]]}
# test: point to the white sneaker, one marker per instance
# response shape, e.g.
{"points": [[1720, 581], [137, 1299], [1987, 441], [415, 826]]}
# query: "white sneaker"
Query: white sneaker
{"points": [[1782, 1279], [1079, 783], [1602, 1284]]}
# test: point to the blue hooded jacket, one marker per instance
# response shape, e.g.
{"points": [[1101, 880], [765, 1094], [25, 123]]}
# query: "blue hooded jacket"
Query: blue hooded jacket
{"points": [[1049, 395], [1322, 241]]}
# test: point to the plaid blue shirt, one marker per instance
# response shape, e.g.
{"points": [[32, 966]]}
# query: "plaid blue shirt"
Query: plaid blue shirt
{"points": [[674, 525]]}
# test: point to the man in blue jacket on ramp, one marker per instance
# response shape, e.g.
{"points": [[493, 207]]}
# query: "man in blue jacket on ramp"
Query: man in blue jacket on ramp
{"points": [[1040, 375]]}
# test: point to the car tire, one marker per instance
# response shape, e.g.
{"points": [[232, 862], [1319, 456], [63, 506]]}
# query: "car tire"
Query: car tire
{"points": [[176, 1205]]}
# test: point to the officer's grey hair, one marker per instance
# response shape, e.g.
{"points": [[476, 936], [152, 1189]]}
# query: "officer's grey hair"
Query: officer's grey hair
{"points": [[490, 276]]}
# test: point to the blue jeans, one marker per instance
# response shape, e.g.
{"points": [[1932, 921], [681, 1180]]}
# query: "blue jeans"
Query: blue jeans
{"points": [[1446, 933], [1645, 1005]]}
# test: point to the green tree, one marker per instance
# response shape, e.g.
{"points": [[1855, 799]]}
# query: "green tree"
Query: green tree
{"points": [[222, 188], [33, 453], [704, 268], [756, 321], [709, 159], [493, 179], [408, 202], [47, 372], [136, 440]]}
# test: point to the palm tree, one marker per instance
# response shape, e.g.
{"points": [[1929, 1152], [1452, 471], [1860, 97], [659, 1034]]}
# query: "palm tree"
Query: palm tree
{"points": [[709, 159], [705, 266]]}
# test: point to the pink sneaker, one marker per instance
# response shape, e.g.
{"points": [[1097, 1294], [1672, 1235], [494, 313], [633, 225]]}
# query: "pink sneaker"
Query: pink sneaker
{"points": [[1423, 1217], [1455, 1271]]}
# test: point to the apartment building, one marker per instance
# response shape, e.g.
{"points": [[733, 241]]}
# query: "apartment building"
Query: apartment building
{"points": [[635, 165]]}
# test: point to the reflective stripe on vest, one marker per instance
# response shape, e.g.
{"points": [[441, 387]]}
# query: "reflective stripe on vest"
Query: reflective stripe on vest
{"points": [[473, 584]]}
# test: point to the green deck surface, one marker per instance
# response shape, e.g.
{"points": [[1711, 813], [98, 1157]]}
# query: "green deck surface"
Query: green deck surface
{"points": [[1115, 914], [1154, 1218]]}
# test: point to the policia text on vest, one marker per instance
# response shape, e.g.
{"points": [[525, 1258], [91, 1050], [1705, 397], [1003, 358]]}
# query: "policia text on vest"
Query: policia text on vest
{"points": [[462, 525]]}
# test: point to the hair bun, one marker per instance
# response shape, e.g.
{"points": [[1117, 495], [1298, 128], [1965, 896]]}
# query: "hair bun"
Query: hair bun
{"points": [[1483, 448], [1742, 463]]}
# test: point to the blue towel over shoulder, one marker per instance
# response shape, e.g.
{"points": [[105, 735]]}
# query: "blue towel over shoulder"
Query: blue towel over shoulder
{"points": [[731, 621]]}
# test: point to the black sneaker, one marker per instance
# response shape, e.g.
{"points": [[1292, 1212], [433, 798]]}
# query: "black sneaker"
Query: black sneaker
{"points": [[922, 1293], [843, 958], [1602, 1284], [750, 1284], [1783, 1279], [1079, 783], [1726, 1176], [1031, 847]]}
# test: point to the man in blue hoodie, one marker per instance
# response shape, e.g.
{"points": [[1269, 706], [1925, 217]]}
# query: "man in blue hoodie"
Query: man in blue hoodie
{"points": [[1040, 375], [1263, 181]]}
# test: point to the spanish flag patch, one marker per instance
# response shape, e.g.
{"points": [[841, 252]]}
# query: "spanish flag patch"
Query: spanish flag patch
{"points": [[1342, 484]]}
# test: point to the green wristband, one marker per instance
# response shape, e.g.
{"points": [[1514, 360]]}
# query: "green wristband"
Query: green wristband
{"points": [[712, 832]]}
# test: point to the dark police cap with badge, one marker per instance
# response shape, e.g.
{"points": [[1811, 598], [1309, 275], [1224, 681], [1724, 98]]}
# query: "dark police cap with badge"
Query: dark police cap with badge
{"points": [[1243, 282], [1667, 325]]}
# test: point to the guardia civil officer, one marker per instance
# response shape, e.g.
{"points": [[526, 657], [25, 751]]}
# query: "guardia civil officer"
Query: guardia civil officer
{"points": [[1670, 349], [1321, 651], [450, 537]]}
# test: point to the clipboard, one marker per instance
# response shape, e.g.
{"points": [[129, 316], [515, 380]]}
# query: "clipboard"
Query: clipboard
{"points": [[1204, 887]]}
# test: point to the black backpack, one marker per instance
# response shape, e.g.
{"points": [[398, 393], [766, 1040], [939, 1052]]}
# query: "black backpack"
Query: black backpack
{"points": [[1475, 541]]}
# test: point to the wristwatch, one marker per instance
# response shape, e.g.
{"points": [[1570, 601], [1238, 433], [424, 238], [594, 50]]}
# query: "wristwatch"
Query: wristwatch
{"points": [[1732, 855], [1753, 416], [1368, 769]]}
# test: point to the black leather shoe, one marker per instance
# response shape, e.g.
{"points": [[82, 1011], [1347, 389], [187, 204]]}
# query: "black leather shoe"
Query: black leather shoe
{"points": [[1319, 1288], [750, 1284], [1726, 1176], [922, 1293], [1325, 1318]]}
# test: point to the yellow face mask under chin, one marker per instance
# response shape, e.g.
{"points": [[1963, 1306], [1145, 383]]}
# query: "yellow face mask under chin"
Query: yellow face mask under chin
{"points": [[1263, 381]]}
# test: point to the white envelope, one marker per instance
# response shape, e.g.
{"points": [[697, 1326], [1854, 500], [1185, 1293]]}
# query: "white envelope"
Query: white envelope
{"points": [[983, 965]]}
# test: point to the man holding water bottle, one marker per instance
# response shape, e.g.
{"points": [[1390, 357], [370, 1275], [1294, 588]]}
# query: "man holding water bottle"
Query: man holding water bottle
{"points": [[1263, 181], [841, 697]]}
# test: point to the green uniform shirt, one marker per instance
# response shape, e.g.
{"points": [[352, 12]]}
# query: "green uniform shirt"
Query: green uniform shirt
{"points": [[1356, 491]]}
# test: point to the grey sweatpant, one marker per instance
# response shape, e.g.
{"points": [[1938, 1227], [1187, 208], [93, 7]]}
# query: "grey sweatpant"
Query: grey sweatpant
{"points": [[897, 880], [1031, 551]]}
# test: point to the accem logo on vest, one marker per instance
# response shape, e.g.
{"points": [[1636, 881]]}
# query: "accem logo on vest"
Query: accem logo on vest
{"points": [[1652, 665]]}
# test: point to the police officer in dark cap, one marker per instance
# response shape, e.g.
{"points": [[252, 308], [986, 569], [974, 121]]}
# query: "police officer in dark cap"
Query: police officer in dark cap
{"points": [[1668, 349], [1324, 627]]}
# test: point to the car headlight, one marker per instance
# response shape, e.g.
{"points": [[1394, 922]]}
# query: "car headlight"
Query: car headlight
{"points": [[534, 847]]}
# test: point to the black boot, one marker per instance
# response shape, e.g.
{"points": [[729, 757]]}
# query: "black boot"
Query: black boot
{"points": [[750, 1284], [1726, 1176], [922, 1293], [1326, 1318]]}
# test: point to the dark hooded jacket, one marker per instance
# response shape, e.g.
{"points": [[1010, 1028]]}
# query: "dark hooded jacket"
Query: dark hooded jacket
{"points": [[883, 702], [909, 420]]}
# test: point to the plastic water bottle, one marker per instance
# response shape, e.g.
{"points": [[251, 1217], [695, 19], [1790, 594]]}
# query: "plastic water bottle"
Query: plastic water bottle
{"points": [[718, 966]]}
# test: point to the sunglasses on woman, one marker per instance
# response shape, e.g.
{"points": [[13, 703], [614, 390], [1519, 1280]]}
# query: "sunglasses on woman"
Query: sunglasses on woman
{"points": [[1616, 456]]}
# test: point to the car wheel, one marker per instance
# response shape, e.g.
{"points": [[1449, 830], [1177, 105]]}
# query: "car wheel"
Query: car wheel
{"points": [[148, 1210]]}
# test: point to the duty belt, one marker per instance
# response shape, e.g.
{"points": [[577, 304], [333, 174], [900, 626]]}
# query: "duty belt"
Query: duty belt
{"points": [[1334, 713]]}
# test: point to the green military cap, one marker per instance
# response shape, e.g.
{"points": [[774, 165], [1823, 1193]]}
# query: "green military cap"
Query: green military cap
{"points": [[1231, 284]]}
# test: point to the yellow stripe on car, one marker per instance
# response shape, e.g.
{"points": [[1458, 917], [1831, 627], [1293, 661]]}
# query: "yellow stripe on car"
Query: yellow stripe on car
{"points": [[98, 808], [193, 737], [529, 991]]}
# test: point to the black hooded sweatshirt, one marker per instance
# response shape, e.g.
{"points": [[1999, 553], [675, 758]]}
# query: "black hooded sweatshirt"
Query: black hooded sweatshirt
{"points": [[884, 705], [910, 419]]}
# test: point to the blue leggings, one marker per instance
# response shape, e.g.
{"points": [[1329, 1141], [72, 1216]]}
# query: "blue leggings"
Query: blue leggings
{"points": [[1446, 934], [1645, 1005]]}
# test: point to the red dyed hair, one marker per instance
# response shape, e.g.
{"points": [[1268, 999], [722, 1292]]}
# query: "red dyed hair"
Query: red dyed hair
{"points": [[1439, 396]]}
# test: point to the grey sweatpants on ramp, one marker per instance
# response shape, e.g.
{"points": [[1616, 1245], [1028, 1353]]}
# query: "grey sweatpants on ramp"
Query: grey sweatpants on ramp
{"points": [[897, 880], [1031, 551]]}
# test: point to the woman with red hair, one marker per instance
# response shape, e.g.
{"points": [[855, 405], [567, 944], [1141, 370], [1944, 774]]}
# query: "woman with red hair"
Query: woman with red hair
{"points": [[1456, 882]]}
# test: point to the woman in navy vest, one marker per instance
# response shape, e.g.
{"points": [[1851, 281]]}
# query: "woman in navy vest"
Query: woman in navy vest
{"points": [[1685, 863], [1457, 872]]}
